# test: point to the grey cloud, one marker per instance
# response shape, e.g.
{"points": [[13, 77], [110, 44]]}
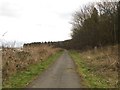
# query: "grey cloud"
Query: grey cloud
{"points": [[45, 25], [65, 15], [7, 10]]}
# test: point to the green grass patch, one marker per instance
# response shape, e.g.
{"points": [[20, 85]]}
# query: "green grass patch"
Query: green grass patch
{"points": [[89, 79], [23, 78]]}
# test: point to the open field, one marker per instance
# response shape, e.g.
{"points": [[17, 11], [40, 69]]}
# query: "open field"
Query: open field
{"points": [[98, 68]]}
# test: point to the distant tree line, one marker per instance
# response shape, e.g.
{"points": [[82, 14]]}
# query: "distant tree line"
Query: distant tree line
{"points": [[57, 44], [40, 43]]}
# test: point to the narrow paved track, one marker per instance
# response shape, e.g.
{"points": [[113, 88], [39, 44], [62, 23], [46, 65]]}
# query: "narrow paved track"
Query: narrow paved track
{"points": [[61, 74]]}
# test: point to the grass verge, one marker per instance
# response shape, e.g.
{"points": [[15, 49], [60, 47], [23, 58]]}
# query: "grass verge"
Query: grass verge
{"points": [[89, 79], [23, 78]]}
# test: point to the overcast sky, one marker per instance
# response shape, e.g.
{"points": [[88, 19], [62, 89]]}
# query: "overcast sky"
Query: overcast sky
{"points": [[37, 20]]}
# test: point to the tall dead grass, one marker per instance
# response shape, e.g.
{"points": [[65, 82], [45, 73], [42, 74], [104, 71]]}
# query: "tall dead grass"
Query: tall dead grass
{"points": [[14, 60], [103, 62]]}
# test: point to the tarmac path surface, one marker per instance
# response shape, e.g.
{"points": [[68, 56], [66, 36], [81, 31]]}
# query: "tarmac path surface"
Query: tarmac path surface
{"points": [[61, 74]]}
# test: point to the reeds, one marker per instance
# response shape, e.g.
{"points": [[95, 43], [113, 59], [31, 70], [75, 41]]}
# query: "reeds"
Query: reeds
{"points": [[14, 60]]}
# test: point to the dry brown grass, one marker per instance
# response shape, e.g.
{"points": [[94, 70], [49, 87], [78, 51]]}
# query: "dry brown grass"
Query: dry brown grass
{"points": [[14, 60], [103, 62]]}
